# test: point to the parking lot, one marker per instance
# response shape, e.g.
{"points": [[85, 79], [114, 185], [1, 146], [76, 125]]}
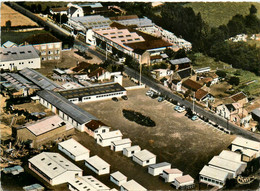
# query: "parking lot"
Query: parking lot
{"points": [[188, 145]]}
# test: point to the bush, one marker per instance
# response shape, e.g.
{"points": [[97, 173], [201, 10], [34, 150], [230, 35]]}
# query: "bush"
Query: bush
{"points": [[234, 81], [138, 118], [221, 73]]}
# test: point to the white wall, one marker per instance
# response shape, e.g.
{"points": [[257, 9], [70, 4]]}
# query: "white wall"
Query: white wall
{"points": [[21, 64], [170, 177], [176, 183], [144, 163], [106, 142], [130, 154], [98, 171], [158, 171], [119, 147], [90, 39], [209, 181], [118, 183], [75, 158], [66, 177], [100, 130]]}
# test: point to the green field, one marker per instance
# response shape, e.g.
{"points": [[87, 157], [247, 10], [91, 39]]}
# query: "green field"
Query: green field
{"points": [[18, 37], [218, 13]]}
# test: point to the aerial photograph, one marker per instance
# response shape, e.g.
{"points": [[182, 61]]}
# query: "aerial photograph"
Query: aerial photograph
{"points": [[129, 96]]}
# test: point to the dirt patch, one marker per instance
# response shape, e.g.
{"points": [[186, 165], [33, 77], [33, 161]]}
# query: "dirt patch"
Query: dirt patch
{"points": [[218, 90]]}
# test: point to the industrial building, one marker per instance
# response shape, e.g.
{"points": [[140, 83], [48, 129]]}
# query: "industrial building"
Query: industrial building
{"points": [[144, 158], [131, 186], [54, 168], [119, 145], [105, 139], [169, 175], [157, 169], [94, 92], [98, 165], [74, 149], [130, 151], [65, 109], [118, 178], [18, 58]]}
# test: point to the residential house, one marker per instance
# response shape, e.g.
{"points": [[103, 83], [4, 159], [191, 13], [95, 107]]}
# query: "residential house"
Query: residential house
{"points": [[203, 96], [98, 165], [144, 158], [240, 98], [179, 64], [74, 10], [157, 169], [99, 74], [118, 178], [130, 151], [169, 175]]}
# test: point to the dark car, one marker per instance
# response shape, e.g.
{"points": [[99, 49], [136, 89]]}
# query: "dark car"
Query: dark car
{"points": [[114, 99], [124, 97]]}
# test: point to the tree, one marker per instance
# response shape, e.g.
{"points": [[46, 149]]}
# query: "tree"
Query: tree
{"points": [[253, 10], [221, 73], [33, 8], [8, 25], [64, 18], [47, 11], [39, 8], [234, 81]]}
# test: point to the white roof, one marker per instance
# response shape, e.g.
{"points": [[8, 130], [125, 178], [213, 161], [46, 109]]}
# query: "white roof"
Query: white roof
{"points": [[183, 179], [133, 148], [122, 141], [230, 155], [88, 183], [111, 134], [224, 163], [97, 162], [53, 164], [144, 155], [45, 125], [214, 173], [133, 186], [249, 153], [118, 176], [247, 143], [74, 147]]}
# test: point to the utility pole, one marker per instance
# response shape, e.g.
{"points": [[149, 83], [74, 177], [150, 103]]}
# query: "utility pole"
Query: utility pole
{"points": [[140, 74], [106, 51], [193, 103]]}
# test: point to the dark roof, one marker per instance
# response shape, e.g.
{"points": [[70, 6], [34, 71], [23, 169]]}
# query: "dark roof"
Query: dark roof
{"points": [[124, 17], [92, 90], [81, 66], [72, 10], [97, 72], [200, 93], [185, 73], [238, 96], [190, 84], [41, 39], [72, 110], [94, 124], [180, 61], [155, 57], [230, 107], [59, 9], [256, 112]]}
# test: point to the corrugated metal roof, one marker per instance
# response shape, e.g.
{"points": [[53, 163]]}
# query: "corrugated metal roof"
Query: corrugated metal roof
{"points": [[72, 110], [139, 22], [93, 21], [214, 173]]}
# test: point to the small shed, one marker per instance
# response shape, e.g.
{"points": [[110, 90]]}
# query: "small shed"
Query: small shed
{"points": [[105, 139], [132, 186], [130, 151], [118, 178], [184, 182], [169, 175], [98, 165], [119, 145], [157, 169], [144, 158], [33, 187]]}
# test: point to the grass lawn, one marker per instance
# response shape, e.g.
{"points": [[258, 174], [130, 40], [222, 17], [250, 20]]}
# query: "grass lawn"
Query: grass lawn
{"points": [[18, 37], [218, 13]]}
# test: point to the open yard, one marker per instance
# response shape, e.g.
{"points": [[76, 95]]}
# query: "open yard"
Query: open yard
{"points": [[187, 145]]}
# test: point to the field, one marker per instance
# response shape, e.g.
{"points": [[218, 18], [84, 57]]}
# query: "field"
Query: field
{"points": [[15, 17], [218, 13]]}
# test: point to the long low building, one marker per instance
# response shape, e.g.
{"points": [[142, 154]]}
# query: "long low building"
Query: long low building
{"points": [[105, 139], [132, 185], [65, 109], [144, 158], [119, 145], [74, 149], [98, 165], [94, 93], [157, 169], [54, 168]]}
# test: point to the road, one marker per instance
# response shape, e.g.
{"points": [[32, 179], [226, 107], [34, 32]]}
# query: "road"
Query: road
{"points": [[160, 88]]}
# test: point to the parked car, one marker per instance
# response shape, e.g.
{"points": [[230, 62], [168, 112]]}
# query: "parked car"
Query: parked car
{"points": [[115, 99], [181, 109], [194, 117], [148, 93], [124, 97], [160, 99], [153, 95], [176, 108]]}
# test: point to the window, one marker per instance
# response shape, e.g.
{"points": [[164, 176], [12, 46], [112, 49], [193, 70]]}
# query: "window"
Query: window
{"points": [[147, 161], [50, 45], [54, 168], [129, 40], [43, 47], [137, 38], [22, 52], [49, 164], [103, 131], [128, 35], [42, 159], [113, 37], [121, 36]]}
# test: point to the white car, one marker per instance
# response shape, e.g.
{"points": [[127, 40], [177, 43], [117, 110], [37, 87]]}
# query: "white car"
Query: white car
{"points": [[181, 109]]}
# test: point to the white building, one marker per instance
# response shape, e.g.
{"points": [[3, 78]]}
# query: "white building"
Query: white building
{"points": [[130, 151], [89, 183], [118, 178], [185, 181], [105, 139], [98, 165], [54, 168], [162, 72], [157, 169], [144, 158], [230, 155], [74, 149], [18, 58], [119, 145], [100, 130], [213, 176], [233, 168], [132, 186], [74, 10], [169, 175]]}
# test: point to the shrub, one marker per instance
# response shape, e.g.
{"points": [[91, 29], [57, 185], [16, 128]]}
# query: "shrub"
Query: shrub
{"points": [[138, 118], [234, 81], [221, 73]]}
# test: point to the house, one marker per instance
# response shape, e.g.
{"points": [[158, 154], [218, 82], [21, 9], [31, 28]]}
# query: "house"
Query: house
{"points": [[105, 139], [157, 169], [18, 58], [68, 111], [203, 96], [43, 131], [144, 158], [248, 148], [233, 168], [48, 45], [184, 182], [74, 149], [130, 151], [94, 92], [179, 64], [240, 98], [9, 44], [90, 183], [226, 110], [213, 176], [54, 168], [132, 185], [119, 145], [99, 74], [162, 72], [169, 175], [230, 155], [97, 165], [95, 127], [118, 178], [184, 74], [74, 10], [191, 85]]}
